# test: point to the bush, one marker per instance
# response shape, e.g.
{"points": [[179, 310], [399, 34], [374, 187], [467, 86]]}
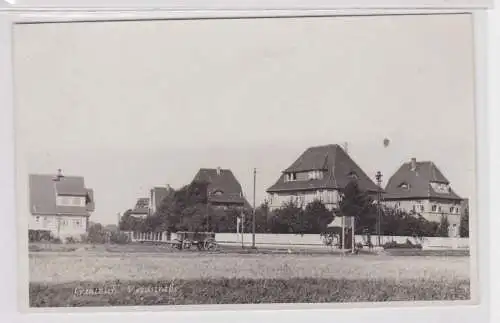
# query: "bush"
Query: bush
{"points": [[407, 245], [119, 238], [39, 235], [70, 240], [56, 240]]}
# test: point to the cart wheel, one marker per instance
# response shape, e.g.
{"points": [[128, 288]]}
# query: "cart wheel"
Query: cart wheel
{"points": [[211, 246], [186, 245]]}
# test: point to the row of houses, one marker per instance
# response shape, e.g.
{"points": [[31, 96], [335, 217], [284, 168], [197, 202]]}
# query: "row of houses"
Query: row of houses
{"points": [[63, 204]]}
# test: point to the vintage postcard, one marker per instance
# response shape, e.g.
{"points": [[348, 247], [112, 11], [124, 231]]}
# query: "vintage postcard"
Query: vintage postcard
{"points": [[246, 161]]}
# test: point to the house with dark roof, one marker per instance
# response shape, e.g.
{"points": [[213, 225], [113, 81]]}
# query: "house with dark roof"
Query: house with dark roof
{"points": [[224, 190], [60, 204], [318, 174], [419, 187], [145, 206], [142, 208]]}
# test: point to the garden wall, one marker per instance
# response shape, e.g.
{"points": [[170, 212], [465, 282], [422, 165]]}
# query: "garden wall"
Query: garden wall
{"points": [[315, 241]]}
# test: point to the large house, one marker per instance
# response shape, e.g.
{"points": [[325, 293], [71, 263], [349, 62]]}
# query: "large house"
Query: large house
{"points": [[224, 190], [145, 206], [60, 204], [318, 174], [421, 188]]}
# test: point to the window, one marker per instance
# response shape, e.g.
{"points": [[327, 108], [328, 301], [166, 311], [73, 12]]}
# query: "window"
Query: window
{"points": [[434, 208], [352, 175], [70, 201], [439, 208], [404, 186], [37, 218], [218, 193], [421, 208], [441, 188]]}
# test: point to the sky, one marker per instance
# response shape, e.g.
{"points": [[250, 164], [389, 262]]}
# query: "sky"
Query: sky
{"points": [[132, 105]]}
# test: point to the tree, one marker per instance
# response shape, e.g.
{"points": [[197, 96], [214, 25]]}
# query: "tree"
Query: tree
{"points": [[316, 217], [357, 203], [464, 223], [287, 219], [443, 226], [130, 223], [96, 233]]}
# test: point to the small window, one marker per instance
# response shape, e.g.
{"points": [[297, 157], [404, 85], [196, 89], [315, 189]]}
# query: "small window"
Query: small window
{"points": [[434, 208], [404, 186], [352, 175], [421, 208], [37, 218]]}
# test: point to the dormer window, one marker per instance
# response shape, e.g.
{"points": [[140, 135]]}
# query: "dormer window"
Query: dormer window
{"points": [[71, 201], [442, 188], [217, 193], [290, 177], [315, 174], [352, 175], [404, 186]]}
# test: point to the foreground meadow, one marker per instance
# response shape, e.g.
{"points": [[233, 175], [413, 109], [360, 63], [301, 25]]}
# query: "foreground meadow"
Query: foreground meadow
{"points": [[107, 278]]}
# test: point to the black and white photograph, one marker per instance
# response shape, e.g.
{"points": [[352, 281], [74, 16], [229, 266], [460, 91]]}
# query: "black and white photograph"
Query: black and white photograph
{"points": [[246, 161]]}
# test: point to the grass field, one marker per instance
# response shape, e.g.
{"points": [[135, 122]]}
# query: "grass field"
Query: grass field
{"points": [[102, 277]]}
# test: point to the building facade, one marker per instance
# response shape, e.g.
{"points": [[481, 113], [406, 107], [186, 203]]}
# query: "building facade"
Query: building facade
{"points": [[421, 188], [318, 174], [60, 204]]}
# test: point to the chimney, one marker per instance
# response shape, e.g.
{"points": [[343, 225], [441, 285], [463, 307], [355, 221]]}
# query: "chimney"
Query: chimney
{"points": [[59, 175], [413, 164], [219, 171]]}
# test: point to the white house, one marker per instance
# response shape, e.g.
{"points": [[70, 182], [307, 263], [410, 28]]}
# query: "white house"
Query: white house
{"points": [[318, 174], [421, 188], [60, 204]]}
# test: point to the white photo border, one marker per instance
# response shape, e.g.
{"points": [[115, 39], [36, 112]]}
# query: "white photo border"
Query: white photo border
{"points": [[324, 312]]}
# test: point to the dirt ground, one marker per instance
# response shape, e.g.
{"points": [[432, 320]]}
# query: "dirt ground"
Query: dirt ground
{"points": [[103, 264]]}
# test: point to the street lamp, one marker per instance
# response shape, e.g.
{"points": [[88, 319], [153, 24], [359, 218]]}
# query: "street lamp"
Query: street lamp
{"points": [[378, 177]]}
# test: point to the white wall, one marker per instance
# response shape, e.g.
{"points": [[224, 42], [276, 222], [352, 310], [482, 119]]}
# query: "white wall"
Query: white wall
{"points": [[60, 226], [314, 240]]}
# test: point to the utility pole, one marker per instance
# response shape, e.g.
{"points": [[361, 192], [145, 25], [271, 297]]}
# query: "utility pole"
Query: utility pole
{"points": [[242, 229], [253, 212], [378, 177], [353, 223]]}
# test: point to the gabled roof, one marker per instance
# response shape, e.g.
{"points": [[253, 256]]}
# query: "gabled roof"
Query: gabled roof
{"points": [[417, 182], [223, 187], [43, 189], [334, 161], [141, 206]]}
